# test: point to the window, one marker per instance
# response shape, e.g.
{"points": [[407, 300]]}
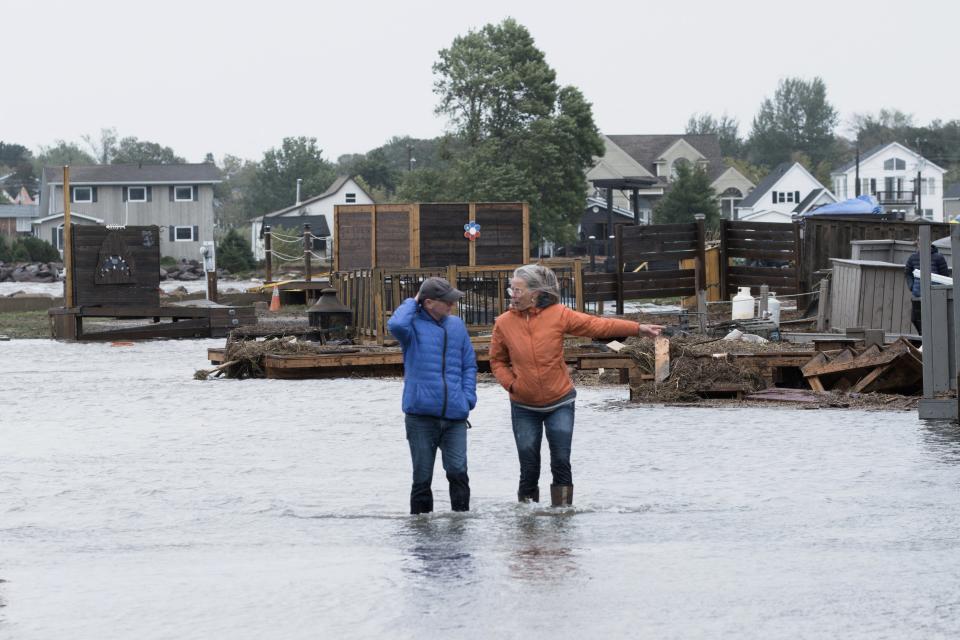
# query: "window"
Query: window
{"points": [[351, 198], [136, 194], [895, 164], [83, 194], [928, 186], [183, 234], [928, 214], [183, 193], [865, 187], [675, 167], [60, 238]]}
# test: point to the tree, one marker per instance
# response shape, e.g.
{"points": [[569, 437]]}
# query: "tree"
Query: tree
{"points": [[726, 128], [374, 167], [105, 148], [275, 182], [518, 135], [38, 250], [689, 193], [130, 150], [233, 253], [798, 118], [18, 160], [232, 207], [494, 81], [61, 153]]}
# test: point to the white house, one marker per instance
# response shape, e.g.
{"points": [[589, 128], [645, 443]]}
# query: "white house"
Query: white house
{"points": [[316, 211], [787, 190], [656, 157], [889, 172]]}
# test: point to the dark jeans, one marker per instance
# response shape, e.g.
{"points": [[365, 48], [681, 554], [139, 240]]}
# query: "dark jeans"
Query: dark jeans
{"points": [[528, 428], [915, 316], [425, 434]]}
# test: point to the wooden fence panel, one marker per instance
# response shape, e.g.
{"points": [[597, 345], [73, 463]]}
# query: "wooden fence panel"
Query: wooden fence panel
{"points": [[825, 238], [765, 253]]}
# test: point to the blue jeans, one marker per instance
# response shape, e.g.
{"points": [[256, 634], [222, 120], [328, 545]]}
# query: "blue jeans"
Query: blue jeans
{"points": [[425, 434], [528, 428]]}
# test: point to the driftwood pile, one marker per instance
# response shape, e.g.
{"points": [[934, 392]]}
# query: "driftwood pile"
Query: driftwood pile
{"points": [[244, 358]]}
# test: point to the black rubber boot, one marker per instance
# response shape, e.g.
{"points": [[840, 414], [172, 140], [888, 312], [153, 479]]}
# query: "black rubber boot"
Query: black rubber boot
{"points": [[421, 500], [561, 495], [529, 496], [459, 491]]}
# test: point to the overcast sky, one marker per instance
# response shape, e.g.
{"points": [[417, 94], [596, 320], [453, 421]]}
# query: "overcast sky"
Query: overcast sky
{"points": [[237, 77]]}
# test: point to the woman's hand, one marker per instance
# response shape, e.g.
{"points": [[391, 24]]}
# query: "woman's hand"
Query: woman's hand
{"points": [[652, 330]]}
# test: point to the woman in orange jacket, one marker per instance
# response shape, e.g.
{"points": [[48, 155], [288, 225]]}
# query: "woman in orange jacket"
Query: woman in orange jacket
{"points": [[526, 356]]}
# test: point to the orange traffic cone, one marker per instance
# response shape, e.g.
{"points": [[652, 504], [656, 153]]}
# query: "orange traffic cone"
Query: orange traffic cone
{"points": [[275, 299]]}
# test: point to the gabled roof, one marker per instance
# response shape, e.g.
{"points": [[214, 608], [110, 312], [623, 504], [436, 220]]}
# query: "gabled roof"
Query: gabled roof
{"points": [[766, 184], [93, 174], [647, 149], [811, 198], [19, 210], [318, 224], [331, 191], [951, 191], [73, 214], [600, 202], [877, 149]]}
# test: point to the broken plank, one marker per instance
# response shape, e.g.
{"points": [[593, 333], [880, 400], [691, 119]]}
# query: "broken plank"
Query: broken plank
{"points": [[661, 350]]}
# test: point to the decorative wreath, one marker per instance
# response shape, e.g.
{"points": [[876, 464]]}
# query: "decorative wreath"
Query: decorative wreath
{"points": [[471, 230]]}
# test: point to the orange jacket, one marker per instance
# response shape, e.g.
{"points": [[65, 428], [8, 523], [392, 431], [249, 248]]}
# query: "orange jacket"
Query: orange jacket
{"points": [[526, 351]]}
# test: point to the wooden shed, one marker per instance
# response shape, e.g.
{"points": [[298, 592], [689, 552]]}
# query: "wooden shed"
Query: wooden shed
{"points": [[870, 295], [421, 234]]}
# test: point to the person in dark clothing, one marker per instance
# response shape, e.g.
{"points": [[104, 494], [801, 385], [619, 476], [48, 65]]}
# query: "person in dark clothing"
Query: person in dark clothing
{"points": [[938, 265], [439, 390]]}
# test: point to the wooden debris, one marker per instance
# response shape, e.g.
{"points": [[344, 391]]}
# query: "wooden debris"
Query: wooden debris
{"points": [[896, 368], [661, 346]]}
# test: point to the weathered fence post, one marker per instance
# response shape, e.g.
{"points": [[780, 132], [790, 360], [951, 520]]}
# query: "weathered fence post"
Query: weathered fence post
{"points": [[823, 305], [724, 262], [452, 279], [578, 284], [307, 255], [618, 269], [268, 252], [764, 297], [701, 251], [798, 253]]}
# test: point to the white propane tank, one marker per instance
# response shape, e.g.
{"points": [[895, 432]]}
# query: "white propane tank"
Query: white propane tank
{"points": [[743, 305], [773, 309]]}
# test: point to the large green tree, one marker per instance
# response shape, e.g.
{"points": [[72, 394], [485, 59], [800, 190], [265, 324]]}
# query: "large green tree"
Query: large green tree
{"points": [[690, 193], [275, 182], [61, 153], [232, 206], [517, 134], [132, 150], [798, 118]]}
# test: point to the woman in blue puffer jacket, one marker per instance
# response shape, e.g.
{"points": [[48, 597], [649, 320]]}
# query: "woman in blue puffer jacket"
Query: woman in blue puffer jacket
{"points": [[439, 390]]}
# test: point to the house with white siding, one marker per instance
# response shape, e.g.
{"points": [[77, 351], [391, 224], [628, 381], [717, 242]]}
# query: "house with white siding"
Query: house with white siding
{"points": [[889, 172], [176, 197], [786, 191], [317, 211]]}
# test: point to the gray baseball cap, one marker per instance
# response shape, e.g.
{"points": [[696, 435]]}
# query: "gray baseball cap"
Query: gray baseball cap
{"points": [[439, 289]]}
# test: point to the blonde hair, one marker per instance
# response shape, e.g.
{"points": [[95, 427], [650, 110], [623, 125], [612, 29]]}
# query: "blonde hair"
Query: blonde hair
{"points": [[542, 280]]}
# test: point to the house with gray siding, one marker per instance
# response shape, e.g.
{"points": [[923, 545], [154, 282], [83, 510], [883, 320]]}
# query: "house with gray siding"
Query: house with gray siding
{"points": [[176, 197]]}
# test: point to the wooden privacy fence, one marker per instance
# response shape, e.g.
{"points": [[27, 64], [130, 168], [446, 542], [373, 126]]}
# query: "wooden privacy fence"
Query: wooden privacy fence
{"points": [[764, 253], [825, 238], [374, 294], [648, 261]]}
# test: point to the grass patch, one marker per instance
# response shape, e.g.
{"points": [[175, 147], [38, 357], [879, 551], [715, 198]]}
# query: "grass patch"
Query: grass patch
{"points": [[25, 324]]}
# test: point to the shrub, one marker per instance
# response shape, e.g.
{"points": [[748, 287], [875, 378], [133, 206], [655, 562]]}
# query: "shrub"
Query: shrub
{"points": [[19, 253], [5, 253], [168, 261], [39, 250], [233, 253]]}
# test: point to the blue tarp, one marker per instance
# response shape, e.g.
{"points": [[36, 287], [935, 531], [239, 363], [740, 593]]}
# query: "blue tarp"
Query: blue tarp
{"points": [[859, 205]]}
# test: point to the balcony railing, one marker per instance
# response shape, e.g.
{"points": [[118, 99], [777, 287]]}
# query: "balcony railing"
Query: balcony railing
{"points": [[896, 197]]}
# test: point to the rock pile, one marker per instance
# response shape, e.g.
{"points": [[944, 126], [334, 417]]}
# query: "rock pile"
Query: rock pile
{"points": [[30, 272], [185, 270]]}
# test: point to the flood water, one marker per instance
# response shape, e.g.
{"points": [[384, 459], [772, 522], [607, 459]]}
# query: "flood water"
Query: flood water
{"points": [[136, 502]]}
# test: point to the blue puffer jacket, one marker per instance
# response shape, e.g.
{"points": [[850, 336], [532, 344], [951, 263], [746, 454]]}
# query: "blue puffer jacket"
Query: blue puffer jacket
{"points": [[440, 367]]}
